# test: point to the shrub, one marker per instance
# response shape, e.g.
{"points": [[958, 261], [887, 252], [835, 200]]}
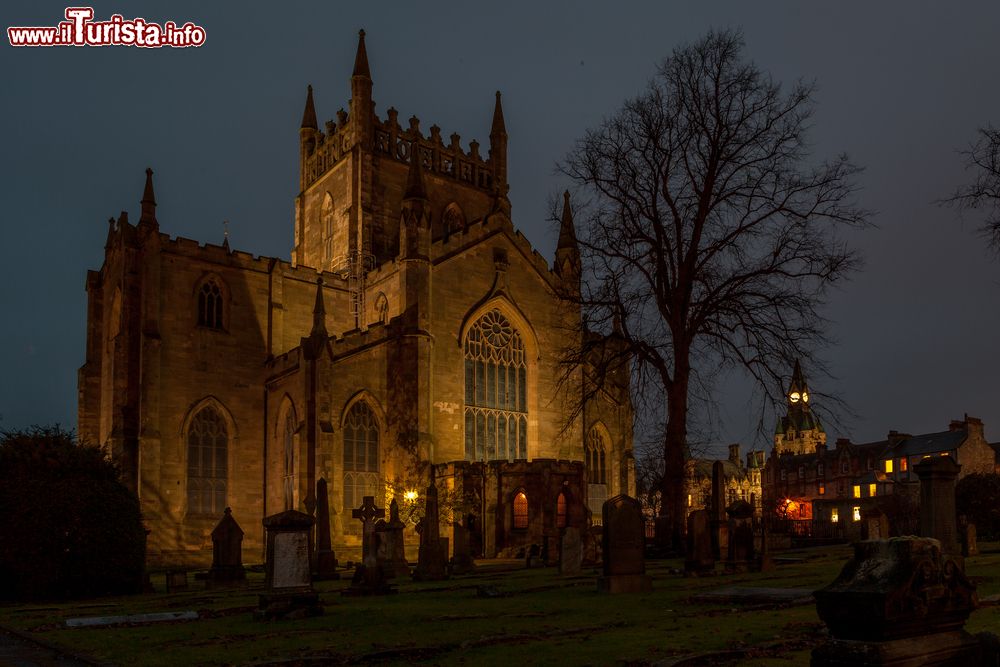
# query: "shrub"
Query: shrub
{"points": [[68, 526], [977, 496]]}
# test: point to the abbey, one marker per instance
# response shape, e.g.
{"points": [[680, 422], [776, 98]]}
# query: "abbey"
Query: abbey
{"points": [[413, 334]]}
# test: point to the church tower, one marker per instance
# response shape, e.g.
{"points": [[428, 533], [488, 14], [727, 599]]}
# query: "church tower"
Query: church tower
{"points": [[799, 431]]}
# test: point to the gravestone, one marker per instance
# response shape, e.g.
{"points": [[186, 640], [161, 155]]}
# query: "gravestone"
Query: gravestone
{"points": [[720, 526], [369, 579], [699, 558], [623, 546], [967, 535], [326, 560], [461, 560], [287, 569], [432, 563], [391, 548], [874, 524], [571, 551], [937, 501], [591, 546], [177, 580], [740, 553], [898, 602], [227, 554], [533, 557]]}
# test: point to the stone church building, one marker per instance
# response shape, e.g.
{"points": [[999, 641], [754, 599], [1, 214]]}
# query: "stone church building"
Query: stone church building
{"points": [[414, 332]]}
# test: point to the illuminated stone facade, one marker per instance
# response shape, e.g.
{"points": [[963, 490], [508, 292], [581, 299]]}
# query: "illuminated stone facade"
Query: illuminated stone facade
{"points": [[413, 326]]}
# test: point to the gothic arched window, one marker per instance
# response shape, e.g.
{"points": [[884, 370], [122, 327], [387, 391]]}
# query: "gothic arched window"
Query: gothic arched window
{"points": [[361, 460], [382, 308], [597, 473], [453, 219], [496, 419], [327, 221], [210, 305], [288, 479], [520, 510], [207, 445]]}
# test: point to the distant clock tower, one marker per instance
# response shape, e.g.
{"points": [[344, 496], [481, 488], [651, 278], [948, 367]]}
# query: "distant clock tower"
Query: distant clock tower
{"points": [[799, 431]]}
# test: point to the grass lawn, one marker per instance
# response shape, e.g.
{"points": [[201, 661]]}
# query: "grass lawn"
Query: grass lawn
{"points": [[544, 619]]}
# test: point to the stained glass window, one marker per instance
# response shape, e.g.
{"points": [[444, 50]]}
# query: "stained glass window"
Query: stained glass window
{"points": [[207, 462], [520, 510], [289, 470], [597, 474], [361, 461], [496, 420]]}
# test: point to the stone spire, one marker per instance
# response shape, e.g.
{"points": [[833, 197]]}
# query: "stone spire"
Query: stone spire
{"points": [[498, 128], [798, 386], [362, 110], [567, 232], [568, 265], [361, 58], [498, 154], [319, 313], [148, 213], [309, 115], [415, 176]]}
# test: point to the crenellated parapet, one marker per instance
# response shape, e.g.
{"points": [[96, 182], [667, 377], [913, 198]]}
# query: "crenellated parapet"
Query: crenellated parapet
{"points": [[391, 140], [451, 160]]}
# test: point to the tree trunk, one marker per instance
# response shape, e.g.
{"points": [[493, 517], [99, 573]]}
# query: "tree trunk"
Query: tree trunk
{"points": [[673, 506]]}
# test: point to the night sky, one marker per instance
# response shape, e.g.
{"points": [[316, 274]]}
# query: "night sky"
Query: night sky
{"points": [[902, 87]]}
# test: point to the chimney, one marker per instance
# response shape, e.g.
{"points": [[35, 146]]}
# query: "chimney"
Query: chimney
{"points": [[895, 437], [820, 450]]}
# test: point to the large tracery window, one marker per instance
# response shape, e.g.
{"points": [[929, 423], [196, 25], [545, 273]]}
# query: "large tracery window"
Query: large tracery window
{"points": [[496, 420], [597, 473], [361, 461], [210, 305], [207, 463], [288, 478]]}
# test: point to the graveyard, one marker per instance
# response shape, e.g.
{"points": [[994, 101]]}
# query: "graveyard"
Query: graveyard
{"points": [[501, 613]]}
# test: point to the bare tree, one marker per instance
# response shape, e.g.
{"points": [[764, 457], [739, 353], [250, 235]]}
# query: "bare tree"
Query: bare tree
{"points": [[707, 242], [982, 158]]}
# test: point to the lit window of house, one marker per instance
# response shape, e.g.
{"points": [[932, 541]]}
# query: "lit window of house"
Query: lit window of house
{"points": [[857, 513], [871, 489], [835, 515], [902, 464], [888, 465], [821, 488], [857, 490]]}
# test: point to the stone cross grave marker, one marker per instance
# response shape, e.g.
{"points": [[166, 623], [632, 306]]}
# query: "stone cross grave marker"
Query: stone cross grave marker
{"points": [[367, 514], [369, 578]]}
